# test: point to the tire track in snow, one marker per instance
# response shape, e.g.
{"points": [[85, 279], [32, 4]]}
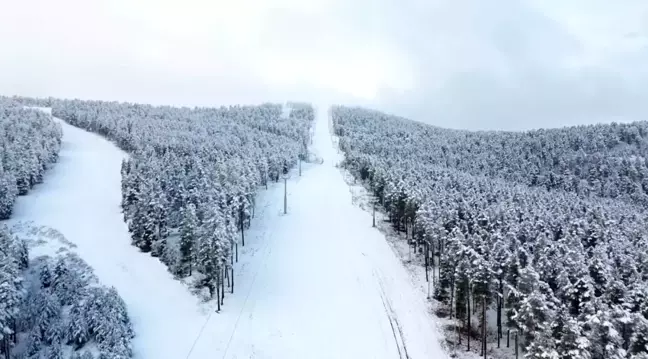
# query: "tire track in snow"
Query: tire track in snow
{"points": [[399, 338], [267, 249]]}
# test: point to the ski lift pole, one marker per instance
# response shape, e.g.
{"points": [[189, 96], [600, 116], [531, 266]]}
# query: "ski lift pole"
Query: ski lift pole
{"points": [[374, 213], [408, 235], [285, 178]]}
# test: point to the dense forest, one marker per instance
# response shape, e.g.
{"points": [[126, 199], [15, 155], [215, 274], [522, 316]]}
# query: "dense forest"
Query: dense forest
{"points": [[190, 181], [29, 144], [55, 308], [546, 231]]}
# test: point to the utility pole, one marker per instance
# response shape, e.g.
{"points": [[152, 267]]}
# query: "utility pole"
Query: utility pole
{"points": [[285, 195], [427, 266], [374, 213], [408, 235], [241, 220]]}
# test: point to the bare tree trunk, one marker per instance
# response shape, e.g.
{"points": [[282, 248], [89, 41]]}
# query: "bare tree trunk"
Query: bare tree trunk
{"points": [[222, 274], [242, 226], [484, 331], [427, 263], [452, 290], [285, 196], [500, 307], [232, 275], [433, 267], [217, 293], [499, 320], [516, 345], [374, 214], [469, 317]]}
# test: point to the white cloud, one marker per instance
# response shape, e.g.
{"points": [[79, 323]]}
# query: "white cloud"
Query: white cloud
{"points": [[508, 64]]}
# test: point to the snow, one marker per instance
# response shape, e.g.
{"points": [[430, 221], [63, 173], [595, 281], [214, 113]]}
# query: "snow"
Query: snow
{"points": [[319, 282], [324, 284], [80, 198]]}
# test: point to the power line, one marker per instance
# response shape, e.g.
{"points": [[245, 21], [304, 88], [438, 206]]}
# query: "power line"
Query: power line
{"points": [[200, 333]]}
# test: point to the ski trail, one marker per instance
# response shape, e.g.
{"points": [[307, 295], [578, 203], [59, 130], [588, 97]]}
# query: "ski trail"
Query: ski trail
{"points": [[81, 199], [319, 282], [326, 285]]}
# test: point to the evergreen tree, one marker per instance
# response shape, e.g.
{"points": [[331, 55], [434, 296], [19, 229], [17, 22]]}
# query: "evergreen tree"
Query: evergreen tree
{"points": [[188, 238]]}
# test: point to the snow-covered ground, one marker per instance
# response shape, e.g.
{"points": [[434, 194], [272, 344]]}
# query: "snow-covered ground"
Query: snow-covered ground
{"points": [[324, 284], [80, 199], [319, 282]]}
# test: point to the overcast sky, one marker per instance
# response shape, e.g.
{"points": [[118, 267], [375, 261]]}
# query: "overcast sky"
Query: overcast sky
{"points": [[499, 64]]}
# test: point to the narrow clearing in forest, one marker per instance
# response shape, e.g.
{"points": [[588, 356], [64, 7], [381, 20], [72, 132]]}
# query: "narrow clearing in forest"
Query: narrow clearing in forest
{"points": [[325, 284], [80, 199]]}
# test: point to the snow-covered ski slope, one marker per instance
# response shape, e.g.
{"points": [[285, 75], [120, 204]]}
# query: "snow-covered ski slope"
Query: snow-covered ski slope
{"points": [[324, 283], [80, 198], [319, 282]]}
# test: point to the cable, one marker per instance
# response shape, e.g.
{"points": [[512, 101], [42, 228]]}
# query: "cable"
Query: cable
{"points": [[200, 333]]}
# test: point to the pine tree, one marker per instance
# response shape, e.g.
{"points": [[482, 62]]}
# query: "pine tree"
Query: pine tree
{"points": [[22, 254], [77, 332], [45, 275], [573, 344], [639, 338], [61, 285], [8, 193], [10, 298], [54, 351], [535, 315], [462, 296], [607, 342], [188, 234]]}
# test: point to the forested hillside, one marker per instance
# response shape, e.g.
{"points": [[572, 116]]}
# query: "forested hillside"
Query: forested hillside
{"points": [[53, 306], [29, 144], [543, 232], [190, 183], [598, 160]]}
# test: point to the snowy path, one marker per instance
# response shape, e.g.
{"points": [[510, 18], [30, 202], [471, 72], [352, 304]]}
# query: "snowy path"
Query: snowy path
{"points": [[81, 199], [322, 282]]}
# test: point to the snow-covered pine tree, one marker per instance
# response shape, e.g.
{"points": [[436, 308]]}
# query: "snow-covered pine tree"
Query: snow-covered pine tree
{"points": [[188, 239]]}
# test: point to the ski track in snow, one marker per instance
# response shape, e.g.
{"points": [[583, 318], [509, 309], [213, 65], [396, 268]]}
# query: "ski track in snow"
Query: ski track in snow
{"points": [[80, 198], [325, 284], [319, 282]]}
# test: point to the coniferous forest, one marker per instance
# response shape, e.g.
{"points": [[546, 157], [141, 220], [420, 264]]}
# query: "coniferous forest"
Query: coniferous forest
{"points": [[189, 185], [188, 195], [29, 144], [537, 237], [52, 306], [542, 233]]}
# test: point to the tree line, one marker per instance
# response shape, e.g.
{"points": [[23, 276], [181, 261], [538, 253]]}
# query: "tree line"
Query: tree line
{"points": [[189, 185], [29, 145], [50, 306], [504, 235]]}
